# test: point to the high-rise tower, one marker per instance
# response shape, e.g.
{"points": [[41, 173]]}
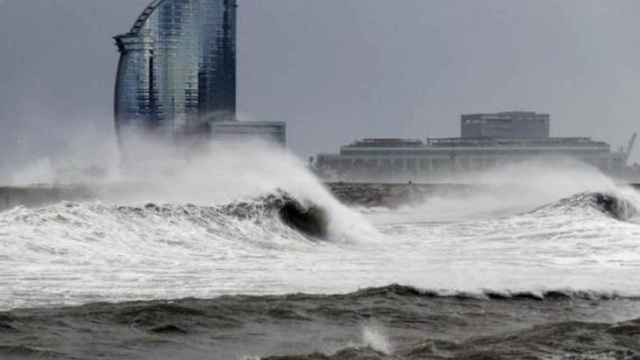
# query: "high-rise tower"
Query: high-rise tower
{"points": [[177, 70]]}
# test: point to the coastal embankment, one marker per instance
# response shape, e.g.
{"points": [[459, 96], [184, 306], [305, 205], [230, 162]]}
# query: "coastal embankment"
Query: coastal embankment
{"points": [[392, 195], [354, 194]]}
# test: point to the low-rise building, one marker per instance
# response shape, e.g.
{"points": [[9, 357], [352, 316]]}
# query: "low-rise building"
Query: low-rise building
{"points": [[269, 131], [399, 159], [521, 136]]}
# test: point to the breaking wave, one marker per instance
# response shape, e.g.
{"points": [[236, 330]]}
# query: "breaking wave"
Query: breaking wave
{"points": [[79, 252], [613, 205], [203, 240], [256, 222], [401, 291]]}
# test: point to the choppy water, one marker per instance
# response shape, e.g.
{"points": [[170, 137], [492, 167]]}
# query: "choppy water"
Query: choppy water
{"points": [[392, 322], [497, 261]]}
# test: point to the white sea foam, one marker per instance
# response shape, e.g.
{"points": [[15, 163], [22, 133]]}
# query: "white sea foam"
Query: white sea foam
{"points": [[374, 336], [73, 253]]}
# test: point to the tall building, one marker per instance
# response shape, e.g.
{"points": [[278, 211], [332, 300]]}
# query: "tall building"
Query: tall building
{"points": [[506, 125], [177, 69]]}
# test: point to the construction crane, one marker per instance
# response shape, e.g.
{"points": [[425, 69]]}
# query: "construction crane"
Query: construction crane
{"points": [[632, 142]]}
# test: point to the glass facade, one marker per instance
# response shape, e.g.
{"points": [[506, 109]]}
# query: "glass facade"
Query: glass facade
{"points": [[177, 69]]}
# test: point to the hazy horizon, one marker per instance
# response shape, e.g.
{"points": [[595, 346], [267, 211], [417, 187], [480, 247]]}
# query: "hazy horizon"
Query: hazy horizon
{"points": [[337, 70]]}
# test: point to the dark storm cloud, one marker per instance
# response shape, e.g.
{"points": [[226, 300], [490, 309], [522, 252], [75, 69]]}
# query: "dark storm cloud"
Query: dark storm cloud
{"points": [[336, 70]]}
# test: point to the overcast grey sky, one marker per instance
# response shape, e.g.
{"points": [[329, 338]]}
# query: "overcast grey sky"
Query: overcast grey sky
{"points": [[337, 70]]}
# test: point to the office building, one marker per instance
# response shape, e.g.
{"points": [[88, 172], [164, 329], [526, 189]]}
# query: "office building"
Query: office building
{"points": [[177, 69]]}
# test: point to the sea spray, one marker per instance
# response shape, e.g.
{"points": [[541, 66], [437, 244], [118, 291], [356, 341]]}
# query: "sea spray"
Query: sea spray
{"points": [[181, 234], [170, 234], [375, 337], [508, 190]]}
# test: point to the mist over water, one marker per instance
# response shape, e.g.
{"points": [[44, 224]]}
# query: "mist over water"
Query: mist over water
{"points": [[201, 226]]}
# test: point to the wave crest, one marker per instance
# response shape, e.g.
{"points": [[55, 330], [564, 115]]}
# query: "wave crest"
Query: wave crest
{"points": [[609, 204], [396, 290]]}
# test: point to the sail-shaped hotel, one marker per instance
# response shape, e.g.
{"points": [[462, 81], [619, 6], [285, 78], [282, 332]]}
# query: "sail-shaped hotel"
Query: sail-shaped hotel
{"points": [[177, 69]]}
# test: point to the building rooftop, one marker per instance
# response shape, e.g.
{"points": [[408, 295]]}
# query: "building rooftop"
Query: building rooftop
{"points": [[552, 141], [515, 113], [474, 142], [387, 142]]}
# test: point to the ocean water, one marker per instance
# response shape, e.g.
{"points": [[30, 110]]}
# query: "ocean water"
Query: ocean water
{"points": [[73, 253], [539, 239]]}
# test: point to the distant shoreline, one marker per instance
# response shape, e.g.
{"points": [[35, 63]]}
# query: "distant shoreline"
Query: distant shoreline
{"points": [[350, 193]]}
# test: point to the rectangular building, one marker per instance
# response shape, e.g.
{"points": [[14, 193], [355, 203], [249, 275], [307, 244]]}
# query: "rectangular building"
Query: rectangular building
{"points": [[270, 131], [506, 125], [488, 141], [403, 160]]}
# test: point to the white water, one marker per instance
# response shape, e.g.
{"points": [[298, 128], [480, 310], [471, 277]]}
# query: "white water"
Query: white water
{"points": [[72, 253]]}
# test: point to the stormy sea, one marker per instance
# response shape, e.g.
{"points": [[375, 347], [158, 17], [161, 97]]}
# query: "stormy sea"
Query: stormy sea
{"points": [[268, 262]]}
